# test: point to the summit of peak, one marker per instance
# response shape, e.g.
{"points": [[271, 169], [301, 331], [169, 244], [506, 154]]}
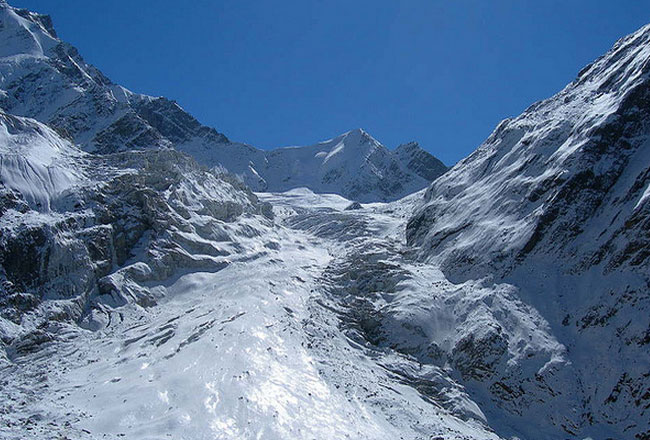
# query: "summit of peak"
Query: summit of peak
{"points": [[358, 131], [358, 136]]}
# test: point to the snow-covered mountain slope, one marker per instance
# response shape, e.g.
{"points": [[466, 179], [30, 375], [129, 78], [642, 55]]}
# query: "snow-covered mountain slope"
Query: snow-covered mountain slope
{"points": [[554, 205], [44, 78]]}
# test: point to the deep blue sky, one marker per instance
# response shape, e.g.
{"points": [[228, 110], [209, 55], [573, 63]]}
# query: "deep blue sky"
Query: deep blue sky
{"points": [[277, 73]]}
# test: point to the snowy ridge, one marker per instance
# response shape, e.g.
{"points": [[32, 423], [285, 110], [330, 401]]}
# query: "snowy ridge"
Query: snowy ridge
{"points": [[353, 164], [44, 78], [25, 33], [580, 130]]}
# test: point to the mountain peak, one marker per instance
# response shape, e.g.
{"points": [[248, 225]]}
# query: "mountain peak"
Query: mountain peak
{"points": [[420, 161], [354, 138], [555, 201], [358, 132], [25, 33]]}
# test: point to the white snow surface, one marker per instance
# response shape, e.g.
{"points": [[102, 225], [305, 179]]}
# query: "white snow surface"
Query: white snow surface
{"points": [[36, 162]]}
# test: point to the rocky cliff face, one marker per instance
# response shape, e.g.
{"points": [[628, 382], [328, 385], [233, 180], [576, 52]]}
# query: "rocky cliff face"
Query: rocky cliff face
{"points": [[44, 78], [419, 161], [554, 204]]}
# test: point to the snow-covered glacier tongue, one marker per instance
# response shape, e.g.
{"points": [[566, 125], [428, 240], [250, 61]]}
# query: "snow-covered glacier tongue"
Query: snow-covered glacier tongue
{"points": [[261, 346], [553, 208]]}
